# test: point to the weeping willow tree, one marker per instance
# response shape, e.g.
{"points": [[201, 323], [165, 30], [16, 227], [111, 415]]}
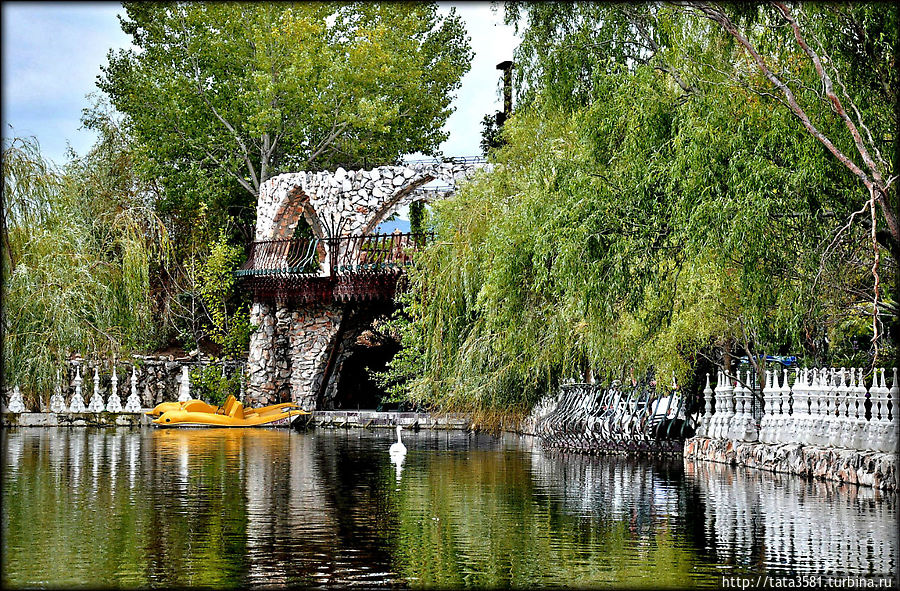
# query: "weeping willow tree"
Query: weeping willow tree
{"points": [[79, 244], [657, 207]]}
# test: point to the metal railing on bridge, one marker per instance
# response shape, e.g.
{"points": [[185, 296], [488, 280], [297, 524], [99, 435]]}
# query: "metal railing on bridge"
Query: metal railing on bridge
{"points": [[344, 255]]}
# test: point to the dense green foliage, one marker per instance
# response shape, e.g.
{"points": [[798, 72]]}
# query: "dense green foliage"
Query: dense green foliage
{"points": [[655, 207], [219, 97], [79, 247], [133, 247]]}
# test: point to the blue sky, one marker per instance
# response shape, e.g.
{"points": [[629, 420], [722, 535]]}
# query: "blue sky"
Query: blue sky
{"points": [[52, 53]]}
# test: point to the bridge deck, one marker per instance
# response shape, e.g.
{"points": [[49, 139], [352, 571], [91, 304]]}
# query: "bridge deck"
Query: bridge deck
{"points": [[366, 267]]}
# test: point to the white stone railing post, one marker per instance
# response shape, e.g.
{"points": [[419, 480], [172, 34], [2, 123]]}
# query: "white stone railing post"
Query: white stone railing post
{"points": [[96, 403], [76, 404], [817, 391], [703, 427], [841, 435], [718, 409], [16, 402], [184, 390], [114, 404], [727, 397], [876, 428], [133, 404], [858, 392], [801, 408], [765, 424], [782, 433], [57, 402], [894, 425]]}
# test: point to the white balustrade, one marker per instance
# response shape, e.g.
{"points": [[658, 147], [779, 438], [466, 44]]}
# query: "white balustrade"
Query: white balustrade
{"points": [[57, 402], [16, 402], [842, 434], [184, 390], [782, 433], [765, 424], [894, 429], [96, 403], [76, 404], [858, 441], [728, 398], [824, 408], [133, 404], [114, 404], [703, 427]]}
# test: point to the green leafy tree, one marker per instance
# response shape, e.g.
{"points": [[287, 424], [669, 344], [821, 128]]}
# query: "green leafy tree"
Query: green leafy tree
{"points": [[80, 244], [655, 205], [219, 97], [229, 324]]}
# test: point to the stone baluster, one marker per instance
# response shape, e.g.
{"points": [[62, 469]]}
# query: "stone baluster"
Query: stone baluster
{"points": [[801, 417], [894, 429], [133, 404], [727, 397], [737, 419], [57, 401], [860, 425], [718, 409], [817, 395], [242, 374], [768, 415], [782, 434], [16, 402], [723, 407], [76, 404], [844, 423], [184, 390], [746, 425], [878, 423], [703, 427], [832, 425], [96, 403], [114, 404]]}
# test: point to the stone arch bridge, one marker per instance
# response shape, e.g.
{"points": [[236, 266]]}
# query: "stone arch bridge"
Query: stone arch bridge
{"points": [[314, 297]]}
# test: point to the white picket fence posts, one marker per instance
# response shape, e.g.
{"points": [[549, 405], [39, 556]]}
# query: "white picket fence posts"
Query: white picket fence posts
{"points": [[822, 408]]}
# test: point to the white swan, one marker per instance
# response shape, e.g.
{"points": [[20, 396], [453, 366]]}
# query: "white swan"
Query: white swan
{"points": [[398, 447]]}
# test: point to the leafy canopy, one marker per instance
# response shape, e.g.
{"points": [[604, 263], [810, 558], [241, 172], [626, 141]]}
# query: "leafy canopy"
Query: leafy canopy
{"points": [[654, 208], [237, 92]]}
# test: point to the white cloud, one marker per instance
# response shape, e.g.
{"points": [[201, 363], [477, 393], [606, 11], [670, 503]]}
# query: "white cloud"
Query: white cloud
{"points": [[51, 56]]}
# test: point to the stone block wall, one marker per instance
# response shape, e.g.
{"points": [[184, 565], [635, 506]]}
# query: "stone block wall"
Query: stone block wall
{"points": [[870, 468], [353, 200], [288, 352]]}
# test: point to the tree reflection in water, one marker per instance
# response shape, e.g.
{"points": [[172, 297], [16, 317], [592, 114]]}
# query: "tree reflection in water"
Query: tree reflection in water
{"points": [[225, 508]]}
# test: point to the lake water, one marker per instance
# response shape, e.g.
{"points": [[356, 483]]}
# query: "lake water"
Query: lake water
{"points": [[219, 508]]}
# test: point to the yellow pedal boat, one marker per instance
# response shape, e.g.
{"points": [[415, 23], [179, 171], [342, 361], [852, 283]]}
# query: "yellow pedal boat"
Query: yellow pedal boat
{"points": [[195, 405], [231, 414]]}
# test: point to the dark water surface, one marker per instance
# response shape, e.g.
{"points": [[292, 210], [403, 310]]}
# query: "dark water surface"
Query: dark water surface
{"points": [[219, 508]]}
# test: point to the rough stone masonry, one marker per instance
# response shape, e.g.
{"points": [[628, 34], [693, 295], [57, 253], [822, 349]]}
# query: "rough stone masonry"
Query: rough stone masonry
{"points": [[291, 343]]}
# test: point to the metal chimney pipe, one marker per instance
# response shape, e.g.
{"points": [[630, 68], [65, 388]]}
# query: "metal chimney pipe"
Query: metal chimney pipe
{"points": [[506, 67]]}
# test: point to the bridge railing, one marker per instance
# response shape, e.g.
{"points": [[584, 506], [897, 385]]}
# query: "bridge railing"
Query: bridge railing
{"points": [[344, 255], [376, 253], [283, 257]]}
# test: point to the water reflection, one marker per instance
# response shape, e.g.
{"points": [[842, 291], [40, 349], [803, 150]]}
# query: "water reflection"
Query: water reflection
{"points": [[783, 524], [221, 508]]}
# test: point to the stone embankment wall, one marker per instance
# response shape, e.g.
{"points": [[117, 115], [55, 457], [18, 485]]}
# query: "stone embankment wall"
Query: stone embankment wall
{"points": [[871, 468]]}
